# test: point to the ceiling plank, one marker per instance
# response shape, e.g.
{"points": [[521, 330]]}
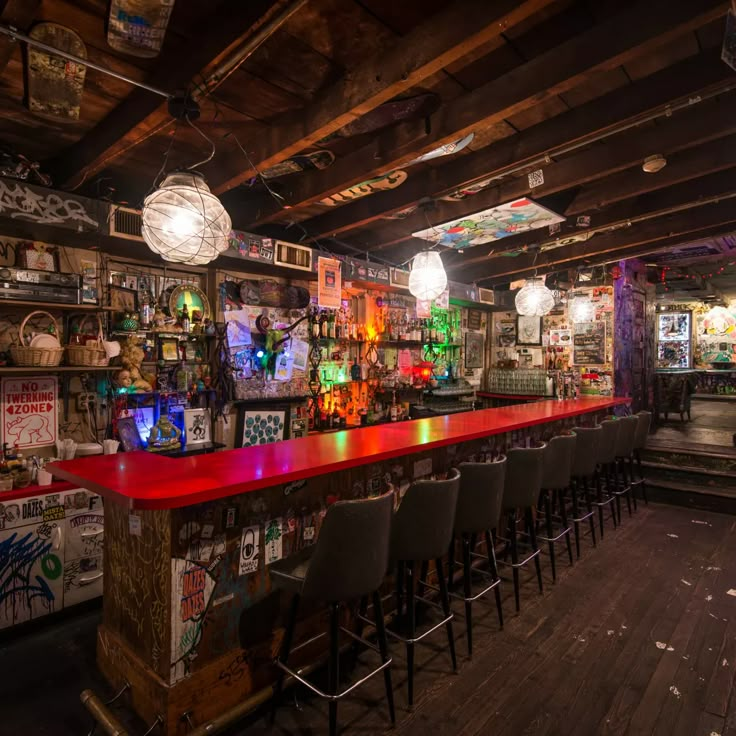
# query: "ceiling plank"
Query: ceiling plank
{"points": [[629, 34], [612, 246], [700, 76], [446, 37], [142, 113], [19, 14]]}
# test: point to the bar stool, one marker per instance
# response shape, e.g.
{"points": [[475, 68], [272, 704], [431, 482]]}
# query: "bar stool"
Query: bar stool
{"points": [[557, 470], [640, 441], [478, 512], [524, 467], [606, 467], [584, 467], [624, 451], [421, 532], [348, 561]]}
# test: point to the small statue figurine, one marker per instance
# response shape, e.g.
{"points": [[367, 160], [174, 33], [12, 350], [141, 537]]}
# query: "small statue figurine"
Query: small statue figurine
{"points": [[164, 436]]}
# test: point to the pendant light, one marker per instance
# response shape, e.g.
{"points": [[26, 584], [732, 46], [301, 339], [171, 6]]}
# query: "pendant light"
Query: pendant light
{"points": [[534, 299], [183, 221], [427, 279]]}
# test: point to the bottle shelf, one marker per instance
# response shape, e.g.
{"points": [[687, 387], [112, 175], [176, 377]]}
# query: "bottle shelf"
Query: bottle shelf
{"points": [[54, 306]]}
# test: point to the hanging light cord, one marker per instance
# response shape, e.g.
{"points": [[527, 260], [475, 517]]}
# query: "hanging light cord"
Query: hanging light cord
{"points": [[209, 140]]}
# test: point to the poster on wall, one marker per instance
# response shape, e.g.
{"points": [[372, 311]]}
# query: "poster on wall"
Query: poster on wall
{"points": [[329, 283], [263, 427], [29, 411], [589, 343], [249, 550]]}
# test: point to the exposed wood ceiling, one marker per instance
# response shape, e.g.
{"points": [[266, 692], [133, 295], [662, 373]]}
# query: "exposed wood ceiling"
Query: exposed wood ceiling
{"points": [[583, 90]]}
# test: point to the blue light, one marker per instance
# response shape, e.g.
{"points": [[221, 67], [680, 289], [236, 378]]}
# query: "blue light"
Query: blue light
{"points": [[259, 354]]}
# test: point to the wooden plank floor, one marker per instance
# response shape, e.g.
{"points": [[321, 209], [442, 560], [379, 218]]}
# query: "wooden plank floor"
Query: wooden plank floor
{"points": [[712, 428], [639, 637]]}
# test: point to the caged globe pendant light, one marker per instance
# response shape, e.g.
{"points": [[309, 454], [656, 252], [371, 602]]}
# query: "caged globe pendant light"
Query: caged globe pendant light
{"points": [[534, 299], [182, 220], [427, 279]]}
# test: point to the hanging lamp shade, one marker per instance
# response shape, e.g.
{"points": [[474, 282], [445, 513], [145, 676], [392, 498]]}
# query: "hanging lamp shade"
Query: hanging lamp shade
{"points": [[184, 222], [581, 309], [427, 279], [534, 299]]}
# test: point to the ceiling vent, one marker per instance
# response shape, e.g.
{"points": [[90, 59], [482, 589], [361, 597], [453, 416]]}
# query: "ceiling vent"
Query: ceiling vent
{"points": [[400, 278], [292, 256], [486, 296], [126, 223]]}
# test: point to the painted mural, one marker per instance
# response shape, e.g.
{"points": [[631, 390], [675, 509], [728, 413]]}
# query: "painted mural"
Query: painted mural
{"points": [[496, 223]]}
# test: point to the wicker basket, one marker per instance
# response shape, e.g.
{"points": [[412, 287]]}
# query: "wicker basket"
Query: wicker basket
{"points": [[93, 353], [36, 357]]}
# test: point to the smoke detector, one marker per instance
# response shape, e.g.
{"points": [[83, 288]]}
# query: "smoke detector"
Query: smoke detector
{"points": [[653, 164]]}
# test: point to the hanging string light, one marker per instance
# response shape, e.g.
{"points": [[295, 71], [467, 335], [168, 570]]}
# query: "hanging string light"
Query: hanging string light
{"points": [[534, 299], [427, 279], [182, 220]]}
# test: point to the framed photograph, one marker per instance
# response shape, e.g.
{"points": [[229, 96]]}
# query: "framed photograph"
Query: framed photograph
{"points": [[169, 349], [473, 350], [123, 299], [130, 439], [528, 330], [261, 424], [197, 426]]}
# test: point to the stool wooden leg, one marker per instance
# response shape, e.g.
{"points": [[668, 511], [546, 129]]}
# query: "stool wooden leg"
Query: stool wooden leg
{"points": [[333, 665], [494, 571], [467, 590], [383, 647], [563, 516], [411, 628], [599, 496], [627, 481], [284, 655], [445, 600], [589, 507], [615, 482], [514, 557], [550, 543], [533, 539], [576, 515], [451, 564], [643, 481]]}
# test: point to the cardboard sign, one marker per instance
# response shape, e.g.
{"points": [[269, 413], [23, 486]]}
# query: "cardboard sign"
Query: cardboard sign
{"points": [[29, 411], [329, 283]]}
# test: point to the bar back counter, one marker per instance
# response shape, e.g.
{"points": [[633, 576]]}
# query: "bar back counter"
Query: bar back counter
{"points": [[190, 618]]}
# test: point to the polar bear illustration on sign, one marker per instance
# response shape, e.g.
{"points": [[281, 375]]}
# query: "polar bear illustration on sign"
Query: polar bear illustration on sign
{"points": [[30, 430]]}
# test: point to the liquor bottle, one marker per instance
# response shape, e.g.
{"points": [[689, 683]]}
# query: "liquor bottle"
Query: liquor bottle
{"points": [[315, 323], [364, 370], [394, 409], [185, 322], [335, 418], [331, 326], [146, 314], [355, 373], [322, 324], [339, 324]]}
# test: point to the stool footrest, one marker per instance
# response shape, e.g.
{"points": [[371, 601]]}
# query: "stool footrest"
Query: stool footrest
{"points": [[605, 502], [584, 517], [561, 535], [474, 598], [520, 563], [398, 637]]}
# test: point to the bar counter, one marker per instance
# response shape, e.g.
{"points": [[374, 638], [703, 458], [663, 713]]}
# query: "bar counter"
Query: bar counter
{"points": [[190, 619], [149, 481]]}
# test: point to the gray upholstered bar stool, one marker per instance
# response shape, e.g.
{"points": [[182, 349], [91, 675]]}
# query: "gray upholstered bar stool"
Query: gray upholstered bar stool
{"points": [[606, 470], [624, 451], [558, 460], [348, 561], [524, 467], [478, 513], [421, 532], [640, 441], [584, 468]]}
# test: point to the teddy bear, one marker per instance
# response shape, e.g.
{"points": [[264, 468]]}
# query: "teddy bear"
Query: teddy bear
{"points": [[131, 358]]}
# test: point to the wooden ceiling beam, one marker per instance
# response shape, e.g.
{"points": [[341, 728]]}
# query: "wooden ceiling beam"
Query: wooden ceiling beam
{"points": [[19, 14], [456, 31], [689, 79], [142, 113], [687, 129], [603, 248], [635, 31]]}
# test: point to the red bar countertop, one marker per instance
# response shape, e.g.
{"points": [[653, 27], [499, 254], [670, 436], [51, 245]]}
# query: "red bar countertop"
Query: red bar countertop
{"points": [[144, 480]]}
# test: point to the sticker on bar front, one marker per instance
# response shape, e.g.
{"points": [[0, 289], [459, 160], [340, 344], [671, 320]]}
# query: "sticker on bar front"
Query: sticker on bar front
{"points": [[274, 540], [249, 550], [134, 525]]}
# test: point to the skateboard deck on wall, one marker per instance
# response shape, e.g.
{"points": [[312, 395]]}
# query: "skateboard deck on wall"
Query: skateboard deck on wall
{"points": [[302, 162], [55, 85], [138, 27], [464, 192], [371, 186], [269, 293], [390, 113]]}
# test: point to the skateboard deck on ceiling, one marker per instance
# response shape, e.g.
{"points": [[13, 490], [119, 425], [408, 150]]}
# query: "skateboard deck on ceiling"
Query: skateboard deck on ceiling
{"points": [[269, 293], [464, 192], [447, 150], [371, 186], [138, 27], [302, 162], [55, 85]]}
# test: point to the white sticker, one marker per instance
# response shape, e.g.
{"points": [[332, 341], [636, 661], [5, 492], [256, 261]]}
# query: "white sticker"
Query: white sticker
{"points": [[308, 533], [249, 550], [134, 525], [273, 540]]}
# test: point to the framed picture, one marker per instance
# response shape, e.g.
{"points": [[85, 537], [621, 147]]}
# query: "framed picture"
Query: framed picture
{"points": [[261, 426], [169, 349], [475, 317], [197, 426], [473, 350], [37, 256], [130, 439], [528, 330], [123, 299]]}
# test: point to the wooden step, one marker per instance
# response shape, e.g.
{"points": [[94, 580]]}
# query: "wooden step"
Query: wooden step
{"points": [[677, 472], [696, 496]]}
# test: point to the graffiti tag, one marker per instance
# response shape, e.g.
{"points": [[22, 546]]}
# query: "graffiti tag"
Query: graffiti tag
{"points": [[44, 207]]}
